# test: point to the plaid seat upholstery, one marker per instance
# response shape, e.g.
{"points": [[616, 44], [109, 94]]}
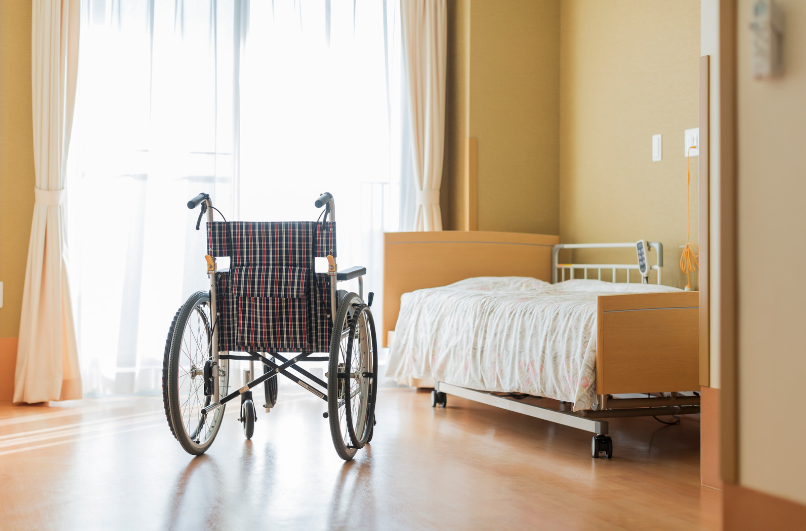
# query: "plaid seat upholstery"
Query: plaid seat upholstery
{"points": [[271, 300]]}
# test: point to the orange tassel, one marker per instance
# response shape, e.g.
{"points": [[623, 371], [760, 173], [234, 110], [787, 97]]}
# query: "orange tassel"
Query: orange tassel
{"points": [[690, 260]]}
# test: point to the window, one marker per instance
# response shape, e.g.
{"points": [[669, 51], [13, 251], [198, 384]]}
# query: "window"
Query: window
{"points": [[264, 105]]}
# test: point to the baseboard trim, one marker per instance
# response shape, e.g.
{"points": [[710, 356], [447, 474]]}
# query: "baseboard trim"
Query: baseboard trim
{"points": [[8, 360], [750, 510], [709, 438]]}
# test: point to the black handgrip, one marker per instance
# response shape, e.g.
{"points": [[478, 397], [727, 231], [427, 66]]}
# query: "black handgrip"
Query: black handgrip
{"points": [[323, 200], [193, 203]]}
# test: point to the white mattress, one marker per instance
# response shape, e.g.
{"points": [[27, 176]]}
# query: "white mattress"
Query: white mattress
{"points": [[509, 334]]}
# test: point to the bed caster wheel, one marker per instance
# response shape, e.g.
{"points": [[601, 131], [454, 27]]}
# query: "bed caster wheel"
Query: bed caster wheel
{"points": [[248, 418], [601, 443], [438, 399]]}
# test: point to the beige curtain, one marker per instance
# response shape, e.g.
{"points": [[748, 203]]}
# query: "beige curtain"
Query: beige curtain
{"points": [[424, 29], [47, 356]]}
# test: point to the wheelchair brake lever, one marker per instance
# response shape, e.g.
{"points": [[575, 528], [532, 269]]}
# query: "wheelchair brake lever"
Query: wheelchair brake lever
{"points": [[203, 210]]}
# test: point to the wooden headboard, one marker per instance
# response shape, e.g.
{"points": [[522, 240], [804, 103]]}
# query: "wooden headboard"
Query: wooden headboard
{"points": [[418, 260]]}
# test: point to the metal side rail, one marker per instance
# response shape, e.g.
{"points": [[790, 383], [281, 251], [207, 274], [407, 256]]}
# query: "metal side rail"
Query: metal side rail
{"points": [[567, 418], [585, 420]]}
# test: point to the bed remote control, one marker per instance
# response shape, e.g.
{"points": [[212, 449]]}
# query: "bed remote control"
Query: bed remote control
{"points": [[643, 263]]}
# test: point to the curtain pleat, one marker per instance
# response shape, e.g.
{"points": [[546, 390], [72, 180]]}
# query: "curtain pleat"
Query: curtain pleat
{"points": [[47, 356], [424, 28]]}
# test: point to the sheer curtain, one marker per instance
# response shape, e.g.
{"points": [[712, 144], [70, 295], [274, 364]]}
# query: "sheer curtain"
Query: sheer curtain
{"points": [[316, 117], [264, 105]]}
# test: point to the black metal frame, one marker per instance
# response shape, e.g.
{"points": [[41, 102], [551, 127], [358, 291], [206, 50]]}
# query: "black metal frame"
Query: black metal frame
{"points": [[278, 369]]}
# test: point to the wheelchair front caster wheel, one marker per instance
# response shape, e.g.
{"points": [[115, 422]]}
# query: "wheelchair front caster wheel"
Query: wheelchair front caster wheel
{"points": [[601, 443], [270, 388], [248, 417], [438, 399]]}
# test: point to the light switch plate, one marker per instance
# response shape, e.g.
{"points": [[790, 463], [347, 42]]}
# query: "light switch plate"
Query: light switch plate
{"points": [[1, 294], [692, 139], [657, 148]]}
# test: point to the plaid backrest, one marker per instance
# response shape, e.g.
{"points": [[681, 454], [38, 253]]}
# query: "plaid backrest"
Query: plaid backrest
{"points": [[271, 300], [293, 243], [278, 282]]}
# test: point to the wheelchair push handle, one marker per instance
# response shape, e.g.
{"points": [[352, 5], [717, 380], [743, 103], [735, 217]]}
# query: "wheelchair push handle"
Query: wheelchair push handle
{"points": [[193, 203], [324, 199]]}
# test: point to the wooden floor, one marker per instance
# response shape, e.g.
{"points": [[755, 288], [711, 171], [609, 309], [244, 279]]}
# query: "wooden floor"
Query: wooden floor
{"points": [[113, 464]]}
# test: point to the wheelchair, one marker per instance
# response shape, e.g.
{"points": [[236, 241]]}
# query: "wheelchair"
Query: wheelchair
{"points": [[271, 302]]}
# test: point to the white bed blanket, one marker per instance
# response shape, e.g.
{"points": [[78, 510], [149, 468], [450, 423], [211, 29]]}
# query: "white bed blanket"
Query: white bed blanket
{"points": [[509, 334]]}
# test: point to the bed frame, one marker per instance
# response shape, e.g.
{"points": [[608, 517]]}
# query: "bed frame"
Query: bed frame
{"points": [[647, 343]]}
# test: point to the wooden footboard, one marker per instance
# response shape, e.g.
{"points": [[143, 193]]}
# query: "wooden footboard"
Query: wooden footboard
{"points": [[647, 343]]}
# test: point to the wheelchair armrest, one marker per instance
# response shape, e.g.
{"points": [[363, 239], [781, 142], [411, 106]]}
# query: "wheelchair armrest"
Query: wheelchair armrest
{"points": [[351, 273]]}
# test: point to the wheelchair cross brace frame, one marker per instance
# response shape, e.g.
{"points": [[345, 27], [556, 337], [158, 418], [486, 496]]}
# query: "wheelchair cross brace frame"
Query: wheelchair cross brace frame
{"points": [[254, 356], [276, 369]]}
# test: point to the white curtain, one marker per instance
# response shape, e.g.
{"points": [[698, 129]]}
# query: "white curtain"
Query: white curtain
{"points": [[424, 28], [47, 356], [316, 117], [262, 104], [154, 127]]}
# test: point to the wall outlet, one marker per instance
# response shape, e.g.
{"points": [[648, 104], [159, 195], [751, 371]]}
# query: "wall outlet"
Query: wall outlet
{"points": [[657, 148], [692, 140]]}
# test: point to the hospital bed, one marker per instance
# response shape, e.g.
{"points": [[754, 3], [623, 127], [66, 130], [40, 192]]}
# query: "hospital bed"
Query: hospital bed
{"points": [[646, 343]]}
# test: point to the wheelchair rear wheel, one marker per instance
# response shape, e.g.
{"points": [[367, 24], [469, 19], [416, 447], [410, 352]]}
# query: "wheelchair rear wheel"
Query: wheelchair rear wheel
{"points": [[352, 377], [186, 368]]}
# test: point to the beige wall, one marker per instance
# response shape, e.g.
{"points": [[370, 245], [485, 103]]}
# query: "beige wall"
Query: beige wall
{"points": [[628, 70], [16, 173], [771, 220], [503, 89], [514, 113]]}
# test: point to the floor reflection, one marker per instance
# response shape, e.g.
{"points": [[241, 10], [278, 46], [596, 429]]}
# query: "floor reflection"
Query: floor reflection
{"points": [[196, 502], [352, 503]]}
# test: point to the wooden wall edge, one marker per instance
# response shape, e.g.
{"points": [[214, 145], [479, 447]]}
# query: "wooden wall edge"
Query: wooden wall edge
{"points": [[471, 184], [705, 221], [729, 369]]}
